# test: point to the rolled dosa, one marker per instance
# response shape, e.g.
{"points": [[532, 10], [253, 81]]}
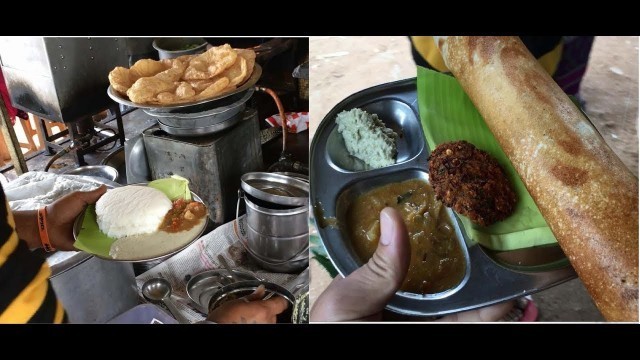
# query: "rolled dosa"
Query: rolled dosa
{"points": [[587, 195]]}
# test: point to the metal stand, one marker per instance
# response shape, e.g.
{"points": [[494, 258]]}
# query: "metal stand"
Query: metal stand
{"points": [[79, 129], [48, 140]]}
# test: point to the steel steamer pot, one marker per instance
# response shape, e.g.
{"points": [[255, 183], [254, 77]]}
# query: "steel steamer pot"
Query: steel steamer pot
{"points": [[276, 224]]}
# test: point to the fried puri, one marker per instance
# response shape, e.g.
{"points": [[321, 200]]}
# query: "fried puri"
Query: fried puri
{"points": [[184, 79]]}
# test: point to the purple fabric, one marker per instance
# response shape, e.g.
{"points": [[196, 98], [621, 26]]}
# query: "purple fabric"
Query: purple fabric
{"points": [[573, 64]]}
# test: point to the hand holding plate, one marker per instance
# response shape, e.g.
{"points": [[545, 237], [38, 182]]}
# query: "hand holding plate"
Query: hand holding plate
{"points": [[63, 213]]}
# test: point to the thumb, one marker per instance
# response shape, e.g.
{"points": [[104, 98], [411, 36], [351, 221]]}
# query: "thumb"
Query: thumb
{"points": [[90, 197], [257, 294], [366, 291]]}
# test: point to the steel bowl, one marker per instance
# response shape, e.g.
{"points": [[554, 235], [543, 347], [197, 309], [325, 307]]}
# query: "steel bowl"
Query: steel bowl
{"points": [[226, 108], [99, 171], [240, 289], [165, 47], [202, 286], [200, 131], [116, 159]]}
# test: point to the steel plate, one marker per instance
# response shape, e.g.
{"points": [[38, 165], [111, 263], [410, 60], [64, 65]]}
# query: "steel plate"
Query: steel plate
{"points": [[202, 286], [77, 225], [492, 277]]}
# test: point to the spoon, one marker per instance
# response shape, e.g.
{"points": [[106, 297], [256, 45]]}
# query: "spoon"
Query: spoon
{"points": [[159, 290], [224, 263]]}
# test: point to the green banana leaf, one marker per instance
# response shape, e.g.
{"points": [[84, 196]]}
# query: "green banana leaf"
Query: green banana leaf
{"points": [[447, 114], [90, 238], [94, 241], [175, 187]]}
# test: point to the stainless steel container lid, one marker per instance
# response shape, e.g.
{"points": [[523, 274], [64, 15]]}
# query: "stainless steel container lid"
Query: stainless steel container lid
{"points": [[302, 177], [276, 188]]}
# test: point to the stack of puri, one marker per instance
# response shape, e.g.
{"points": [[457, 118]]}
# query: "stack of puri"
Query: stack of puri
{"points": [[586, 194], [185, 79]]}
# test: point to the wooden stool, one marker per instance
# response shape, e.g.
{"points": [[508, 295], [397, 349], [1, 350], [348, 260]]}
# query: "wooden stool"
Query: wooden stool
{"points": [[30, 145], [4, 152], [29, 132], [43, 125]]}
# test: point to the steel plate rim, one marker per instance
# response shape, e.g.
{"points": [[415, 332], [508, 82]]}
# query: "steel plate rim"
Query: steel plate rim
{"points": [[201, 276], [302, 177], [461, 237], [113, 172]]}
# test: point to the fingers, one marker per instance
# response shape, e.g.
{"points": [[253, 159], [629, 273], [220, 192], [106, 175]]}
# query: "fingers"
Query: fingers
{"points": [[276, 304], [251, 307], [257, 294], [90, 197], [389, 264], [368, 289], [489, 313]]}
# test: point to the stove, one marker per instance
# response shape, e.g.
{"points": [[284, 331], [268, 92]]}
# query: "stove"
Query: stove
{"points": [[64, 80]]}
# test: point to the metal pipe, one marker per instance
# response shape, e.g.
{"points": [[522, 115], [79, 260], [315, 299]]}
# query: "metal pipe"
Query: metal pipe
{"points": [[73, 147], [57, 156], [281, 111]]}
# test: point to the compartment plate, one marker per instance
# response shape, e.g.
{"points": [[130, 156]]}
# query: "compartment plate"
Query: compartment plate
{"points": [[491, 277]]}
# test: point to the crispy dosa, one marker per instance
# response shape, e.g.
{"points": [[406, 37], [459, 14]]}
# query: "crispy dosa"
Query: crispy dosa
{"points": [[583, 190]]}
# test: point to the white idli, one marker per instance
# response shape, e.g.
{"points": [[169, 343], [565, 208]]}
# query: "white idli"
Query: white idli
{"points": [[131, 210]]}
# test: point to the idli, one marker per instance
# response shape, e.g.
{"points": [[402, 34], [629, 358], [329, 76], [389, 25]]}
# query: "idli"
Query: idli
{"points": [[131, 210]]}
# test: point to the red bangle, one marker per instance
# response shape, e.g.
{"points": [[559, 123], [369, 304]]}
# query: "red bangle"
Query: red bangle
{"points": [[42, 228]]}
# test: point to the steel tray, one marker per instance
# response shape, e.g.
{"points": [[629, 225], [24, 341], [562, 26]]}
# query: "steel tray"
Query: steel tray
{"points": [[491, 277]]}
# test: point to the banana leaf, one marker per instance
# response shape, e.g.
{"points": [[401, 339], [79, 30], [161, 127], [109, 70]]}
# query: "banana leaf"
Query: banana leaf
{"points": [[447, 114]]}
